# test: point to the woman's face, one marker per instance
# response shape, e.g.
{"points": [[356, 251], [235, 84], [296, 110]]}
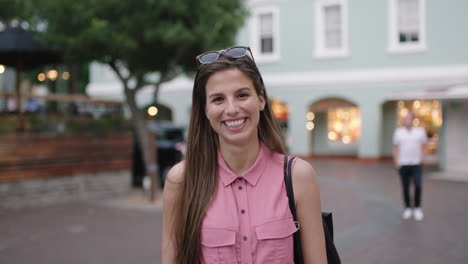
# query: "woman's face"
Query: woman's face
{"points": [[233, 106]]}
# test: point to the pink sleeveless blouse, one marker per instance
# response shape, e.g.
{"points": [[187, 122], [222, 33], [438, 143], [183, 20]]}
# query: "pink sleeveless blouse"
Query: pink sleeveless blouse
{"points": [[249, 220]]}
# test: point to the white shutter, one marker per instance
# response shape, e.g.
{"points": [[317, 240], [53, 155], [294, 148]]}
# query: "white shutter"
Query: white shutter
{"points": [[266, 25], [408, 16], [332, 17]]}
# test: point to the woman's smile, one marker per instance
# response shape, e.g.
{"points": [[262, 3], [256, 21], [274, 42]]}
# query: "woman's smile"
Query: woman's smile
{"points": [[235, 124]]}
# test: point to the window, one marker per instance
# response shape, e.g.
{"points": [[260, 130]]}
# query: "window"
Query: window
{"points": [[333, 36], [265, 34], [407, 26], [331, 28]]}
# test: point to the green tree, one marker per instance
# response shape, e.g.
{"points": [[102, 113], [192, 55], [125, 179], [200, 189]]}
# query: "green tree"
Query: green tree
{"points": [[136, 38], [15, 11]]}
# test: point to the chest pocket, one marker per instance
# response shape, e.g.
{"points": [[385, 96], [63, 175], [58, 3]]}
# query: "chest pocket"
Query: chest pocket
{"points": [[275, 241], [218, 245]]}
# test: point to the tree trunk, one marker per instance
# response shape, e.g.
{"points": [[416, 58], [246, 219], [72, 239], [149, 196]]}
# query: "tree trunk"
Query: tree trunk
{"points": [[142, 136]]}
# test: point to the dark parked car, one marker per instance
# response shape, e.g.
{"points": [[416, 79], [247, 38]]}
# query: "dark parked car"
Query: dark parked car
{"points": [[170, 146]]}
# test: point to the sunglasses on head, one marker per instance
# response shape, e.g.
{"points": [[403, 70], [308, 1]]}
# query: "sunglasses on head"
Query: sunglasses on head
{"points": [[233, 52]]}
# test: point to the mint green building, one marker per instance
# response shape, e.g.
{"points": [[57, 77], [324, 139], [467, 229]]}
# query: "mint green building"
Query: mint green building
{"points": [[342, 73]]}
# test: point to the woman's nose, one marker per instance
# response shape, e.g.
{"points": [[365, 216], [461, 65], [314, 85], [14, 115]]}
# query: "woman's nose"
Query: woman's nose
{"points": [[232, 108]]}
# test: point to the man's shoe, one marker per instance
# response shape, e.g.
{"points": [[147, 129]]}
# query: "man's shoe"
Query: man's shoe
{"points": [[418, 214], [407, 213]]}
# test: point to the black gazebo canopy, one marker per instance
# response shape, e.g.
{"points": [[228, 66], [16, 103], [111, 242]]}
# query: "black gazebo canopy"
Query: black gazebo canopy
{"points": [[22, 50]]}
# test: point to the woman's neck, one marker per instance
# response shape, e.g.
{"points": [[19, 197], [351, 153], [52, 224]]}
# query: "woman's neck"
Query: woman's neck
{"points": [[240, 158]]}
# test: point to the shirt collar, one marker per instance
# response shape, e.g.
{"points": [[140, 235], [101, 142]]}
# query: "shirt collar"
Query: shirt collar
{"points": [[251, 175]]}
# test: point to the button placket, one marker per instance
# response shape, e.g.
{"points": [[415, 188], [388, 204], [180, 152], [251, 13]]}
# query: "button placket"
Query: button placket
{"points": [[244, 220]]}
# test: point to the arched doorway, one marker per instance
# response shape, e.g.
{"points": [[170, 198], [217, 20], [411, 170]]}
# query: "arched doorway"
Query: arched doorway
{"points": [[335, 127]]}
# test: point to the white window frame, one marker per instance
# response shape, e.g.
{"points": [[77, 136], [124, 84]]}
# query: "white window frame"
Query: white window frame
{"points": [[255, 41], [320, 51], [394, 45]]}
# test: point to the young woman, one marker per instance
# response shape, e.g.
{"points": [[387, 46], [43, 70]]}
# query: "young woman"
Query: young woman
{"points": [[227, 202]]}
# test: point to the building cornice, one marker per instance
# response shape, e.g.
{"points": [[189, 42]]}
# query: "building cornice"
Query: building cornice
{"points": [[369, 77]]}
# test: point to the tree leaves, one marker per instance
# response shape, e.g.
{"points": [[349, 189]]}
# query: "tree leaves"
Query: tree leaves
{"points": [[147, 35]]}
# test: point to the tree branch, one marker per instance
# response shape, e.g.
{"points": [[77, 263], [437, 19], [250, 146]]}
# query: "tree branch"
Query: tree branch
{"points": [[112, 63]]}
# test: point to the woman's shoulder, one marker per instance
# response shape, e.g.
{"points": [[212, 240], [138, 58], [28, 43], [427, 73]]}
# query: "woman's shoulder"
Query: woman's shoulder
{"points": [[176, 173], [303, 172], [173, 186]]}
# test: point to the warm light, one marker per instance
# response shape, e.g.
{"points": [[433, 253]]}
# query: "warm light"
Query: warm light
{"points": [[152, 110], [436, 104], [344, 121], [403, 112], [310, 116], [338, 126], [52, 75], [310, 125], [401, 104], [346, 115], [41, 77], [416, 104], [65, 75], [346, 139], [332, 135], [279, 109], [355, 123], [2, 68], [416, 122]]}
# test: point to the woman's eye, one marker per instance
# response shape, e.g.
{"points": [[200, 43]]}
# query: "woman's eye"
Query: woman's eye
{"points": [[243, 95], [217, 99]]}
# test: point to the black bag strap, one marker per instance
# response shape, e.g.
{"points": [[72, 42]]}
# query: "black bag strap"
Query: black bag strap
{"points": [[298, 258], [327, 220]]}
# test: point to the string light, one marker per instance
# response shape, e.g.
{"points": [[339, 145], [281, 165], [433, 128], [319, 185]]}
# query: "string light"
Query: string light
{"points": [[152, 110]]}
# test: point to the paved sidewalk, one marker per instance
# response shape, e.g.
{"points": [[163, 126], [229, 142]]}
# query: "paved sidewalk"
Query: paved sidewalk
{"points": [[365, 200]]}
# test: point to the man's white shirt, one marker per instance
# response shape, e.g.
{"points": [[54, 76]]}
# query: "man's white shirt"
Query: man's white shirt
{"points": [[409, 143]]}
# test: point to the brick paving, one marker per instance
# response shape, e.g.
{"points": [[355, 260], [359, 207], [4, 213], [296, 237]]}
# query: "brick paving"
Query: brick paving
{"points": [[365, 200]]}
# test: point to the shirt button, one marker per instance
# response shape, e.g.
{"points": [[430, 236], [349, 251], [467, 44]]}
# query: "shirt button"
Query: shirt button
{"points": [[241, 178], [240, 187], [244, 238], [242, 211]]}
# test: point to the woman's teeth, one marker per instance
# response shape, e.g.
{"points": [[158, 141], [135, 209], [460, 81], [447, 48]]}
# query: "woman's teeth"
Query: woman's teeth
{"points": [[235, 123]]}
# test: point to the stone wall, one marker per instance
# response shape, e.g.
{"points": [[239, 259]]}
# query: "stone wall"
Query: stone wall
{"points": [[60, 189]]}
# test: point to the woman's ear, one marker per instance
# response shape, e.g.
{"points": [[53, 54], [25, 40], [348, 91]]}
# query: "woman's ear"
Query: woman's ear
{"points": [[261, 98]]}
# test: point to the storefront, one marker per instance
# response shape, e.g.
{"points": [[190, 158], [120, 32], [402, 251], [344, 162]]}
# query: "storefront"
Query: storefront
{"points": [[281, 113], [444, 114], [335, 127], [428, 114]]}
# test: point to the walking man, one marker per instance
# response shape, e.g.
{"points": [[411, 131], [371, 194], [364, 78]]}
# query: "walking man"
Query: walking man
{"points": [[409, 147]]}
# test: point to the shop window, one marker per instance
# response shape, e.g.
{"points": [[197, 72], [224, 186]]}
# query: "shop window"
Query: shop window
{"points": [[428, 114], [344, 124], [280, 110], [281, 113]]}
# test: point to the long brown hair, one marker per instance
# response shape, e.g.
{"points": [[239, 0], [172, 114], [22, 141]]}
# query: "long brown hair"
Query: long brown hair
{"points": [[200, 173]]}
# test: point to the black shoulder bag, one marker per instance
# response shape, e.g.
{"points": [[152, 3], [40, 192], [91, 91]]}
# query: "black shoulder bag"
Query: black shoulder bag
{"points": [[332, 253]]}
